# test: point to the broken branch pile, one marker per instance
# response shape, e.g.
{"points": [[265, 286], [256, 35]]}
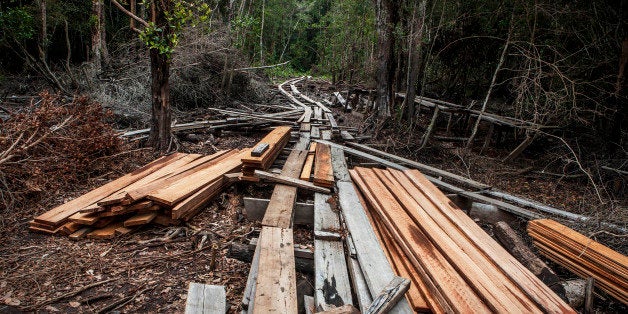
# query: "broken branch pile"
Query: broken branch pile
{"points": [[165, 191], [582, 255], [453, 264]]}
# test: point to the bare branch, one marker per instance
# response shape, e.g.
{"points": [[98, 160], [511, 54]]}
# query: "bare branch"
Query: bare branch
{"points": [[131, 15]]}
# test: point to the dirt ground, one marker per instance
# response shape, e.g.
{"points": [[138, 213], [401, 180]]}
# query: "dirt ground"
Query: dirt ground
{"points": [[137, 273]]}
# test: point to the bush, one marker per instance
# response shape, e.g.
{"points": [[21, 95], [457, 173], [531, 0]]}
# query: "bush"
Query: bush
{"points": [[51, 145]]}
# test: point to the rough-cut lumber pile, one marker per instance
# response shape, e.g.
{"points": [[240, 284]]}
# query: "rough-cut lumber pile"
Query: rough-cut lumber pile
{"points": [[582, 255], [166, 191], [459, 267], [268, 149]]}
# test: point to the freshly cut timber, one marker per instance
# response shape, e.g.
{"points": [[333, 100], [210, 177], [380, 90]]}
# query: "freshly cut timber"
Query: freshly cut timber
{"points": [[164, 192], [582, 255], [461, 268], [276, 140], [60, 214], [323, 171]]}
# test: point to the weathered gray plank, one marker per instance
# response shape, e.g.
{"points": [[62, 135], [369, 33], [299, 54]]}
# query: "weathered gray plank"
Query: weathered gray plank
{"points": [[362, 292], [325, 219], [346, 136], [326, 135], [316, 132], [249, 290], [255, 208], [389, 296], [339, 164], [332, 278], [206, 299], [308, 303], [318, 113], [424, 168], [375, 267]]}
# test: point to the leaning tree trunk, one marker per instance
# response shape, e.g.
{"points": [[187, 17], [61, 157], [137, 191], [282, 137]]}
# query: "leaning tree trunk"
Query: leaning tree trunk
{"points": [[383, 75], [159, 137]]}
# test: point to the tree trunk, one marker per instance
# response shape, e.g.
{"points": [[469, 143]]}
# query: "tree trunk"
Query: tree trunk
{"points": [[159, 137], [383, 77], [43, 32], [414, 50], [99, 48]]}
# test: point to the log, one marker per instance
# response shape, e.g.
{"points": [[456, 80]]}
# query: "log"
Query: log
{"points": [[515, 245]]}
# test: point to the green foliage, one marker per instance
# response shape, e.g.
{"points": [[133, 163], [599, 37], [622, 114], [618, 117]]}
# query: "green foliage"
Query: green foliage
{"points": [[165, 38], [17, 24]]}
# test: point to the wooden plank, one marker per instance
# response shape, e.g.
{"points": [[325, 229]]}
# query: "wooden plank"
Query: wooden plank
{"points": [[140, 219], [197, 165], [418, 294], [331, 281], [345, 135], [326, 135], [435, 271], [191, 184], [274, 138], [164, 171], [318, 113], [299, 253], [108, 232], [198, 199], [316, 132], [305, 127], [279, 212], [479, 271], [531, 285], [424, 168], [306, 185], [206, 299], [81, 233], [375, 267], [59, 215], [276, 278], [323, 171], [255, 208], [389, 296], [307, 168], [325, 218], [332, 287], [249, 290], [362, 292]]}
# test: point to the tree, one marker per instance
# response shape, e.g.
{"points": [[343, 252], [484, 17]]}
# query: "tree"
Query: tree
{"points": [[100, 54], [161, 35], [386, 21], [414, 52]]}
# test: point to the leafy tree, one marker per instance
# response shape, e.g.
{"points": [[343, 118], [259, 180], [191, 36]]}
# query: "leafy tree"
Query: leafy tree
{"points": [[161, 34]]}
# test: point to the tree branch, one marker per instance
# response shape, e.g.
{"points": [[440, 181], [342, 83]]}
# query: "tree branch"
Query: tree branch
{"points": [[131, 15]]}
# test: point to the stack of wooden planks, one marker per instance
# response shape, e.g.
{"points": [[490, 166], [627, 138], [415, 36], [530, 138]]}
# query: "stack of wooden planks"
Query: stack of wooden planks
{"points": [[165, 191], [453, 264], [582, 255], [265, 152]]}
